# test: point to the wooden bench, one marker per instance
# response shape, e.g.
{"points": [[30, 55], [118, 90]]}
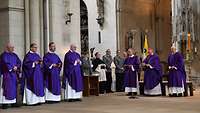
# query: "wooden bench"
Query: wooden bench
{"points": [[164, 88]]}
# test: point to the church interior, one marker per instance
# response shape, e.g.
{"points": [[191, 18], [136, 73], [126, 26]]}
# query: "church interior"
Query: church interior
{"points": [[96, 26]]}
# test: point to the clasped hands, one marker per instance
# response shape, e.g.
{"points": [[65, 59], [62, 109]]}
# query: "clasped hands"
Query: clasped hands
{"points": [[57, 65], [172, 67], [38, 62], [130, 67], [15, 68], [147, 65]]}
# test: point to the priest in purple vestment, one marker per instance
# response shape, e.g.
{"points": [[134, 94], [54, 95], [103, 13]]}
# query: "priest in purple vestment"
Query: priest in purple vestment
{"points": [[52, 68], [152, 74], [131, 66], [73, 77], [10, 69], [177, 74], [32, 77]]}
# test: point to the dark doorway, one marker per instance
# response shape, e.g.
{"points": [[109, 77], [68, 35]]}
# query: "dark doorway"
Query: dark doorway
{"points": [[84, 28]]}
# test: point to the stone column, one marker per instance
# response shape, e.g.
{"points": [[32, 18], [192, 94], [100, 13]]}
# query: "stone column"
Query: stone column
{"points": [[118, 15], [50, 16], [41, 13], [27, 25], [35, 29], [46, 9]]}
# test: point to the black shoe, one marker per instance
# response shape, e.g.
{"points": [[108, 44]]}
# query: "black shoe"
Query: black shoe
{"points": [[50, 102], [70, 100], [78, 100], [174, 95], [39, 104], [109, 91], [133, 97], [134, 93], [101, 92], [4, 106], [15, 105], [180, 95], [129, 94]]}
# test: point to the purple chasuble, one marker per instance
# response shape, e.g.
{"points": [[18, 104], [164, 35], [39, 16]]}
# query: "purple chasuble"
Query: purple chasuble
{"points": [[130, 78], [52, 75], [33, 75], [72, 73], [9, 85], [177, 77], [152, 77]]}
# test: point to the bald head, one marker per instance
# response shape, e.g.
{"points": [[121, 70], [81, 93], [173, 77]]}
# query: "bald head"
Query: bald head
{"points": [[9, 47], [173, 49], [73, 47], [130, 52]]}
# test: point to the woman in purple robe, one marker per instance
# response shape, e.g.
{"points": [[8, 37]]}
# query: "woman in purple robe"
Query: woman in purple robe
{"points": [[152, 74], [32, 78], [10, 68], [72, 78], [52, 68], [177, 74], [131, 66]]}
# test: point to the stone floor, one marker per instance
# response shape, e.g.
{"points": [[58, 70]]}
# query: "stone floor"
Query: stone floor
{"points": [[118, 103]]}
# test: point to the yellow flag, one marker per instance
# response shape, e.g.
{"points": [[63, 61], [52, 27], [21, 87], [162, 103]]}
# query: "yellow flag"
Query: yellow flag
{"points": [[145, 49]]}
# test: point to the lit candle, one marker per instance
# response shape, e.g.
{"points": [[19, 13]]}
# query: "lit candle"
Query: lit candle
{"points": [[189, 42]]}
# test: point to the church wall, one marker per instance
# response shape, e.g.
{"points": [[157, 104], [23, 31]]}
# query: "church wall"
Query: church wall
{"points": [[108, 33], [56, 27], [16, 26], [12, 25], [4, 32], [73, 29], [136, 15], [139, 15], [164, 29]]}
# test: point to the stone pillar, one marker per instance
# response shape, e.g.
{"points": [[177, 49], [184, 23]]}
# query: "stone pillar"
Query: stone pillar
{"points": [[27, 26], [4, 24], [118, 8], [41, 14], [35, 29], [50, 16], [46, 9], [56, 26], [16, 25]]}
